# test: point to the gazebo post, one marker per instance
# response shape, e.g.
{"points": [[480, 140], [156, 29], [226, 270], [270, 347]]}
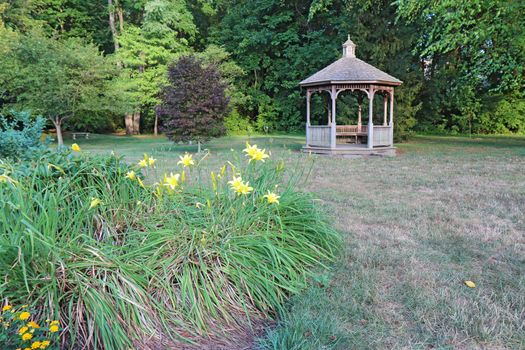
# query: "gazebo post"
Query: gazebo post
{"points": [[359, 109], [391, 122], [385, 101], [333, 122], [371, 118], [308, 96]]}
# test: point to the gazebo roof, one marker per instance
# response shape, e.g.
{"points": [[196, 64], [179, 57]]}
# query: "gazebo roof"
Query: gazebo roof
{"points": [[350, 69]]}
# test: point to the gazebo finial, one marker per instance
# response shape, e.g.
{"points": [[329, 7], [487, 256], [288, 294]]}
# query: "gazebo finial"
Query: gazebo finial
{"points": [[349, 48]]}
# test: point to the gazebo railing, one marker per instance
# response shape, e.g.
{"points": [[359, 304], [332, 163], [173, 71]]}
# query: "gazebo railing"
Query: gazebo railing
{"points": [[319, 135], [382, 136]]}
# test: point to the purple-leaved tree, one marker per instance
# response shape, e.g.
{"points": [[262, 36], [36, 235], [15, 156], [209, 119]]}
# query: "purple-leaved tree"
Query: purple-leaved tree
{"points": [[194, 103]]}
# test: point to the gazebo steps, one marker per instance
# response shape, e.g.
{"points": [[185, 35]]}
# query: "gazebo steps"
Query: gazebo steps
{"points": [[352, 150]]}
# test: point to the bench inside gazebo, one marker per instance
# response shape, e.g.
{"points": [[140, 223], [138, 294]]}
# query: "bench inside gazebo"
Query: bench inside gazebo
{"points": [[351, 74]]}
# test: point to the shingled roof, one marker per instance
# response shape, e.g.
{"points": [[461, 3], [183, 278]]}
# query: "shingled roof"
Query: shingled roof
{"points": [[350, 69]]}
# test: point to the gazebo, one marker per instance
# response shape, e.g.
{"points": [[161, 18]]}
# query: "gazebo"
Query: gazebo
{"points": [[349, 73]]}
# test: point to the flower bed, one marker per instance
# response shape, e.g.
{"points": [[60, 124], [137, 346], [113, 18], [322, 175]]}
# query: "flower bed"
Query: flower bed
{"points": [[119, 258]]}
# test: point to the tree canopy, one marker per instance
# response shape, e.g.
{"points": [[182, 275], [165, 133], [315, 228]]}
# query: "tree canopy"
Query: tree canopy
{"points": [[462, 62], [59, 79]]}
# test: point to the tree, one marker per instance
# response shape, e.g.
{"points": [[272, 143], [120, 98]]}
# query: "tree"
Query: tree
{"points": [[59, 79], [472, 54], [194, 103], [146, 49], [279, 43]]}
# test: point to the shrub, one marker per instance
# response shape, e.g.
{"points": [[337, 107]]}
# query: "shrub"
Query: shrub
{"points": [[20, 135], [122, 262], [238, 125]]}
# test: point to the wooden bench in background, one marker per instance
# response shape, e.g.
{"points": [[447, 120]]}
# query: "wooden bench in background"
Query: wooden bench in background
{"points": [[350, 133], [85, 134]]}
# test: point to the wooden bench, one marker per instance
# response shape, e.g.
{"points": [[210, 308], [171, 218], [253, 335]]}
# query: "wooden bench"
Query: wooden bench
{"points": [[350, 133], [85, 134]]}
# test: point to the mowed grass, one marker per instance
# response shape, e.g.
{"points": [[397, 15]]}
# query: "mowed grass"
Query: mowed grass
{"points": [[445, 210]]}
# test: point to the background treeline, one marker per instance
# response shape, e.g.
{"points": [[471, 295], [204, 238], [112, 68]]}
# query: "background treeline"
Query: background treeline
{"points": [[100, 65]]}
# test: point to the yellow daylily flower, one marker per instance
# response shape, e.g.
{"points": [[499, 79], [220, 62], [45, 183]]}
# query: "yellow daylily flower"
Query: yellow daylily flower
{"points": [[45, 344], [27, 336], [7, 308], [272, 198], [186, 160], [260, 155], [151, 162], [250, 150], [95, 202], [24, 315], [36, 345], [240, 187], [75, 147], [23, 330], [172, 181], [255, 153], [236, 182], [131, 175], [53, 328], [470, 284], [143, 163], [243, 188]]}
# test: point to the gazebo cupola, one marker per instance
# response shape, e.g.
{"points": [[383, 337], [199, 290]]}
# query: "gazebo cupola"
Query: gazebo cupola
{"points": [[349, 73], [349, 48]]}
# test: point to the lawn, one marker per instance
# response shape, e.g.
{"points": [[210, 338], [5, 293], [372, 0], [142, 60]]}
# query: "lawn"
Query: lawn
{"points": [[445, 210]]}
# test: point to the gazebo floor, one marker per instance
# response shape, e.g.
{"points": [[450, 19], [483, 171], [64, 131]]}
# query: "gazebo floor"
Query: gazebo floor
{"points": [[351, 150]]}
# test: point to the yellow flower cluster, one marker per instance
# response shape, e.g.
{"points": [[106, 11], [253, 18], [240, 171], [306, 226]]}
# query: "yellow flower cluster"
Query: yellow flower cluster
{"points": [[173, 181], [28, 330], [147, 161], [255, 153], [243, 188], [239, 186]]}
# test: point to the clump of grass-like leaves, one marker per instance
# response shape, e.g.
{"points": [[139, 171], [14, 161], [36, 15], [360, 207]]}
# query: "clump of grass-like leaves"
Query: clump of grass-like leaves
{"points": [[119, 261]]}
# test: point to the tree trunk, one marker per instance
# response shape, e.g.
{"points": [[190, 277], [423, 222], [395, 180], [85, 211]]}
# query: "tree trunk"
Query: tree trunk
{"points": [[156, 125], [120, 18], [112, 24], [136, 122], [58, 126], [129, 123]]}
